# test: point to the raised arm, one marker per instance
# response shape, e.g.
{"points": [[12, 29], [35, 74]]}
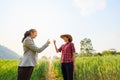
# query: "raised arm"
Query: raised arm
{"points": [[55, 46], [30, 44]]}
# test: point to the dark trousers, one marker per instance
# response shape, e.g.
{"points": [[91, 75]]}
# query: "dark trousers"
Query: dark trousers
{"points": [[67, 70], [24, 73]]}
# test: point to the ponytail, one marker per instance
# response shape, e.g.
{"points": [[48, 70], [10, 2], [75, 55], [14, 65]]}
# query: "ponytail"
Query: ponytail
{"points": [[26, 34]]}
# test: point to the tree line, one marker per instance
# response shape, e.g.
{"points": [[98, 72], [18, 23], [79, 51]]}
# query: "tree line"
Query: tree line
{"points": [[86, 49]]}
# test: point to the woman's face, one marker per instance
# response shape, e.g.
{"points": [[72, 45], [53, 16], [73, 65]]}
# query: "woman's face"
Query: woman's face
{"points": [[33, 34], [65, 39]]}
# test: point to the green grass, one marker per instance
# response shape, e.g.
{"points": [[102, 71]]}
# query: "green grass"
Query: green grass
{"points": [[88, 68], [57, 69], [8, 70], [94, 68], [41, 70]]}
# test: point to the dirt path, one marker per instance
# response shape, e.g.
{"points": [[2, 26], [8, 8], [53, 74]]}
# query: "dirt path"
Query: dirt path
{"points": [[51, 75]]}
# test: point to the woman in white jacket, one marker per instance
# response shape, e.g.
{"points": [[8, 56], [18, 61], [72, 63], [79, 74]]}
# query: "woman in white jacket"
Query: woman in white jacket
{"points": [[29, 60]]}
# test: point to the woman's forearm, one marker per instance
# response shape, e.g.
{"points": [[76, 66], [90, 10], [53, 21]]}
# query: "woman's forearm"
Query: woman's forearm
{"points": [[56, 47], [74, 62]]}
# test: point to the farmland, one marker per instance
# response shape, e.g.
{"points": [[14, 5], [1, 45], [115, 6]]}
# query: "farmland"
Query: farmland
{"points": [[88, 68], [8, 70], [93, 68]]}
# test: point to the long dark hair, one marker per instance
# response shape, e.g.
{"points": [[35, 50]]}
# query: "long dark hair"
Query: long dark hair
{"points": [[27, 33]]}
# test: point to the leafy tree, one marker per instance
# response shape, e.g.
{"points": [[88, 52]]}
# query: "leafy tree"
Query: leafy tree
{"points": [[113, 51], [98, 54], [118, 53], [106, 52], [109, 52], [86, 47]]}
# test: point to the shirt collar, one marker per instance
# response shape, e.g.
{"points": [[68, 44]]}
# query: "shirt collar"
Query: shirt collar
{"points": [[67, 43]]}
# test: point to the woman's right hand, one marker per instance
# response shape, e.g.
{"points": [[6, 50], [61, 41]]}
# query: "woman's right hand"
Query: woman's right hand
{"points": [[48, 41], [54, 41]]}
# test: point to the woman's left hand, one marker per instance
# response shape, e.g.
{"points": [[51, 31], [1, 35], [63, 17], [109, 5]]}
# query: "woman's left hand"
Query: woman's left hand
{"points": [[75, 68]]}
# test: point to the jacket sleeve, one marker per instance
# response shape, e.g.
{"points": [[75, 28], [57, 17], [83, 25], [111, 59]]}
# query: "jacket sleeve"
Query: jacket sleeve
{"points": [[30, 44]]}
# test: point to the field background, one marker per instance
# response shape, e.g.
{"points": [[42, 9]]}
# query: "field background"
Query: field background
{"points": [[88, 68]]}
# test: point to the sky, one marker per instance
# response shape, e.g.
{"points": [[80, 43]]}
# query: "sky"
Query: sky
{"points": [[98, 20]]}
